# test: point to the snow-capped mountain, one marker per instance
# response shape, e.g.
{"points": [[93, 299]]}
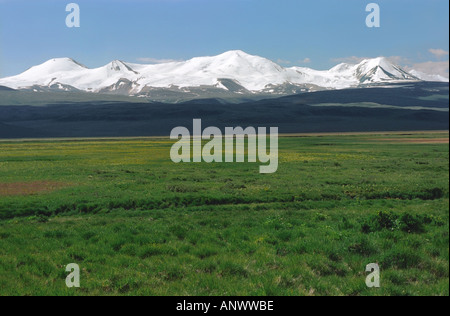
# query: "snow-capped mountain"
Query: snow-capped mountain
{"points": [[232, 72]]}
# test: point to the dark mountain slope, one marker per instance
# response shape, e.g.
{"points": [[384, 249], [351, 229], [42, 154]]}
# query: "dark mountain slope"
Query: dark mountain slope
{"points": [[421, 106]]}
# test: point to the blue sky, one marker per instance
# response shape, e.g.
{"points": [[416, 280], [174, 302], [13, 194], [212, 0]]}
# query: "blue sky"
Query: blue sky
{"points": [[313, 33]]}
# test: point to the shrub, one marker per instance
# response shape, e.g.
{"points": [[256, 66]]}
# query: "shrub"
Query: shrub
{"points": [[364, 248], [179, 231], [386, 220], [412, 224], [41, 218], [383, 220], [402, 259], [433, 194]]}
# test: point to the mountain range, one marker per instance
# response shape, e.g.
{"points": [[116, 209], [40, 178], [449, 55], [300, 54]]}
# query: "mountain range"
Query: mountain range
{"points": [[231, 74]]}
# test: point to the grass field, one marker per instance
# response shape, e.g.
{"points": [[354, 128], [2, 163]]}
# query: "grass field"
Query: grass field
{"points": [[138, 224]]}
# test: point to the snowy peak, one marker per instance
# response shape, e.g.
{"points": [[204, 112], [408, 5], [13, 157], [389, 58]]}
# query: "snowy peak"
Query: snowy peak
{"points": [[341, 68], [235, 54], [45, 74], [230, 56], [379, 70], [254, 73], [242, 59], [119, 66], [54, 66], [235, 63], [376, 62]]}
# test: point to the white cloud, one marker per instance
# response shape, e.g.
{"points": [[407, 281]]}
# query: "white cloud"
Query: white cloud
{"points": [[431, 68], [150, 60], [288, 62], [349, 60], [283, 62], [438, 53], [399, 60], [305, 61]]}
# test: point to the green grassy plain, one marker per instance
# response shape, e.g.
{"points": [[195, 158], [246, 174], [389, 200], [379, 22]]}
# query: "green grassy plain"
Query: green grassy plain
{"points": [[138, 224]]}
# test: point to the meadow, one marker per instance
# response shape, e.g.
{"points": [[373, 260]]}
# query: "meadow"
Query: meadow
{"points": [[138, 224]]}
